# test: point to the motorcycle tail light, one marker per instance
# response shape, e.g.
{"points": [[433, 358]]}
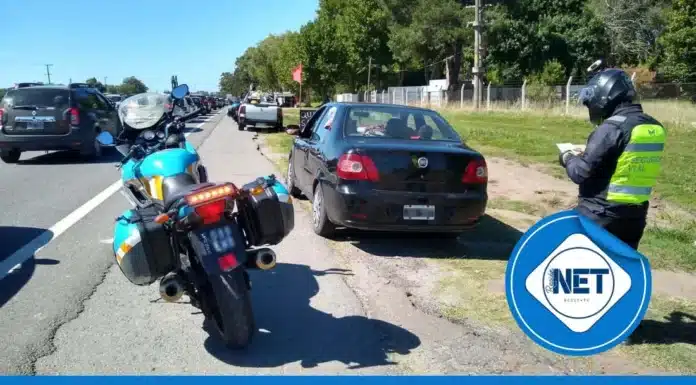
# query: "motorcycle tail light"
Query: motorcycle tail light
{"points": [[210, 203]]}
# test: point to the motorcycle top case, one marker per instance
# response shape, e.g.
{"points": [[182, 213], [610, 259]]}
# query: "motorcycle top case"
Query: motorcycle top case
{"points": [[142, 247], [265, 211]]}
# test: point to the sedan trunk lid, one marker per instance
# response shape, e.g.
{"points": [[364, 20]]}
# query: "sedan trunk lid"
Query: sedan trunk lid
{"points": [[419, 166]]}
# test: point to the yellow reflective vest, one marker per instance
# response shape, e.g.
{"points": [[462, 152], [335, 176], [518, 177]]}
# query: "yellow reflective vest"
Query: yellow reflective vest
{"points": [[639, 165]]}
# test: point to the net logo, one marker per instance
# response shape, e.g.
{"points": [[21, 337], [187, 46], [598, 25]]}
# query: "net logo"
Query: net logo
{"points": [[578, 283], [574, 288]]}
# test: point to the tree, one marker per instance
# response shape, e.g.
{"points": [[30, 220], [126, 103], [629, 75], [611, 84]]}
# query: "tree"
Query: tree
{"points": [[523, 35], [679, 41], [96, 84], [436, 32], [226, 83], [132, 85], [363, 28], [112, 89], [633, 27], [2, 92]]}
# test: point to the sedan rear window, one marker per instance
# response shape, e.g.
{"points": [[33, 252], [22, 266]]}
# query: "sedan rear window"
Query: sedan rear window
{"points": [[397, 123], [37, 97]]}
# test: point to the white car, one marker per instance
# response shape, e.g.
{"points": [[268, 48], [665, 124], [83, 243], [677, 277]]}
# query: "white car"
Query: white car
{"points": [[259, 110]]}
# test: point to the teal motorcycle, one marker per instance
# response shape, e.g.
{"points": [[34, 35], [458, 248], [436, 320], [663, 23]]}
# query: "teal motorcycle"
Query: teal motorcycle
{"points": [[198, 238]]}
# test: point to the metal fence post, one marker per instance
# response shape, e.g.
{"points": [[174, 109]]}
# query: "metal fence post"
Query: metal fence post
{"points": [[488, 96], [633, 77], [524, 94], [404, 96], [567, 109], [394, 97], [461, 96]]}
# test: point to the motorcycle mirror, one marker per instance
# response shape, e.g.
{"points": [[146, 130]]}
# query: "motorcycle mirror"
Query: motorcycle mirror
{"points": [[105, 139], [180, 91]]}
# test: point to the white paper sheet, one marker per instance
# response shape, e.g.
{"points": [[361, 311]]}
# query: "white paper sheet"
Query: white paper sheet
{"points": [[563, 147]]}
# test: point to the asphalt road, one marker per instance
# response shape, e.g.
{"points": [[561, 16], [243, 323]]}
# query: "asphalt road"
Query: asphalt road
{"points": [[67, 205]]}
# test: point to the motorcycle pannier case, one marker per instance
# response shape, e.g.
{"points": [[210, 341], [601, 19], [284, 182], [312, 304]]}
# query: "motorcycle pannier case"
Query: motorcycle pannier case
{"points": [[265, 211], [142, 247]]}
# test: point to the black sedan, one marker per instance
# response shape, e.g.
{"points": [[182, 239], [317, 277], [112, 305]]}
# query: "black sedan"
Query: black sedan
{"points": [[386, 167]]}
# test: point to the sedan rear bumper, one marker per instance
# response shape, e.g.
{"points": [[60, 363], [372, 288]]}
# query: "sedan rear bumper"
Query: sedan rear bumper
{"points": [[384, 210]]}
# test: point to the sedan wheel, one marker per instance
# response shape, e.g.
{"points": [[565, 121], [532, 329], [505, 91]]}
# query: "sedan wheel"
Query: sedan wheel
{"points": [[290, 181], [320, 221]]}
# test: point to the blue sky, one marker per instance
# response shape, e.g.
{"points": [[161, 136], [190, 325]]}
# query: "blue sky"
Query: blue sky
{"points": [[150, 39]]}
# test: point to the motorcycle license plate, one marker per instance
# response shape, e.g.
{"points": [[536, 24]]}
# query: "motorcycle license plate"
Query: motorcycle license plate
{"points": [[216, 240]]}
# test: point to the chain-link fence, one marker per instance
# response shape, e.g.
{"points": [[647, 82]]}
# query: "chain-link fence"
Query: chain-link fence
{"points": [[674, 102]]}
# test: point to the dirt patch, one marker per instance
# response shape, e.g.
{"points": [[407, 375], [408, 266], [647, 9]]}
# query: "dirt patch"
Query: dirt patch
{"points": [[513, 181]]}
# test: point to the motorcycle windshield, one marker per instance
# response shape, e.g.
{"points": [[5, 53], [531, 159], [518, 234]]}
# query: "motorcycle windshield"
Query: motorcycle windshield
{"points": [[143, 110]]}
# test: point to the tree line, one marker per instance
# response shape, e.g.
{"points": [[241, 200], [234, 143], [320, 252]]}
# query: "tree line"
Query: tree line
{"points": [[357, 45], [129, 86]]}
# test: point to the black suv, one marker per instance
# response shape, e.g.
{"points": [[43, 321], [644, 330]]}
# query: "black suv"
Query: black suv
{"points": [[51, 117]]}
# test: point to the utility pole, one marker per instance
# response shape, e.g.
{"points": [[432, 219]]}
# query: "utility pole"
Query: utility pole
{"points": [[477, 70], [369, 72], [477, 54], [48, 72], [105, 77]]}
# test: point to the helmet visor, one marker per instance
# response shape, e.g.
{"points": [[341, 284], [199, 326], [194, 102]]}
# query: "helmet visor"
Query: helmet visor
{"points": [[585, 95]]}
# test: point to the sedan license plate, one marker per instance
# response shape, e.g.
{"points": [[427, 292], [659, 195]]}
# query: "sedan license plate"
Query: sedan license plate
{"points": [[35, 125], [419, 212]]}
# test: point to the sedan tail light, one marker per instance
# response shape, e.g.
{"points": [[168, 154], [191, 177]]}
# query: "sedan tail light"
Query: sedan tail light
{"points": [[476, 172], [2, 117], [357, 167]]}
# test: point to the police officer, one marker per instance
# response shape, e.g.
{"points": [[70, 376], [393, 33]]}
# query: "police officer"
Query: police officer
{"points": [[618, 169]]}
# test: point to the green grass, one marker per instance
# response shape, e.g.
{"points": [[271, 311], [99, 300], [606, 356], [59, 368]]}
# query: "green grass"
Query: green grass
{"points": [[671, 248], [291, 116], [532, 138], [279, 143], [503, 203], [665, 340]]}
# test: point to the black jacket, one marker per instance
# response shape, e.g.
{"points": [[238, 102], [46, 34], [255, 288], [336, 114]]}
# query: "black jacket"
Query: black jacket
{"points": [[593, 170]]}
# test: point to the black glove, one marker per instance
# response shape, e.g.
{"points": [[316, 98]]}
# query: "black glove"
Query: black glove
{"points": [[564, 157]]}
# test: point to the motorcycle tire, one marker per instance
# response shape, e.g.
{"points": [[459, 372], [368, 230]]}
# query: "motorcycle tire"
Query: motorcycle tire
{"points": [[232, 317]]}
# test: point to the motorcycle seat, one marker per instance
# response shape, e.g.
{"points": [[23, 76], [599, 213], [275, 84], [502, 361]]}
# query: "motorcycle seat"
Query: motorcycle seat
{"points": [[182, 192]]}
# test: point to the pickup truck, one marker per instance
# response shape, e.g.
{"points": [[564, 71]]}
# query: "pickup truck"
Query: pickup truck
{"points": [[257, 111]]}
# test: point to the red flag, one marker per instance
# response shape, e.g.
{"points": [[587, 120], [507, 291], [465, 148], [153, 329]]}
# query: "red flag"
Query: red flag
{"points": [[297, 74]]}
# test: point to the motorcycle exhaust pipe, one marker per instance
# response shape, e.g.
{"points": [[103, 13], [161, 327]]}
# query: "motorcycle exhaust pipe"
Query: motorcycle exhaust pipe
{"points": [[171, 287], [264, 259]]}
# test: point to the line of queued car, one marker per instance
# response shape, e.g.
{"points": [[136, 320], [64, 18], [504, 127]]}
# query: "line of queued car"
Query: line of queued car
{"points": [[39, 117]]}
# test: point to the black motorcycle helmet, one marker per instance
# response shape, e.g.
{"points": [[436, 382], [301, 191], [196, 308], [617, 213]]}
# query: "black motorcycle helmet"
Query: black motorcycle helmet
{"points": [[605, 91]]}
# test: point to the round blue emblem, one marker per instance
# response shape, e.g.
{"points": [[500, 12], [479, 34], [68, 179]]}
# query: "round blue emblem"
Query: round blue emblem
{"points": [[574, 288]]}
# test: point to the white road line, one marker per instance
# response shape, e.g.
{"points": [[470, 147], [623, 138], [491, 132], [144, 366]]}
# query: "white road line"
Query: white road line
{"points": [[15, 260], [31, 248]]}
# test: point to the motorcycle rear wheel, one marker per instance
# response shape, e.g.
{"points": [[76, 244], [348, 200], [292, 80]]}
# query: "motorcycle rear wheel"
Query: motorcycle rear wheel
{"points": [[231, 315]]}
